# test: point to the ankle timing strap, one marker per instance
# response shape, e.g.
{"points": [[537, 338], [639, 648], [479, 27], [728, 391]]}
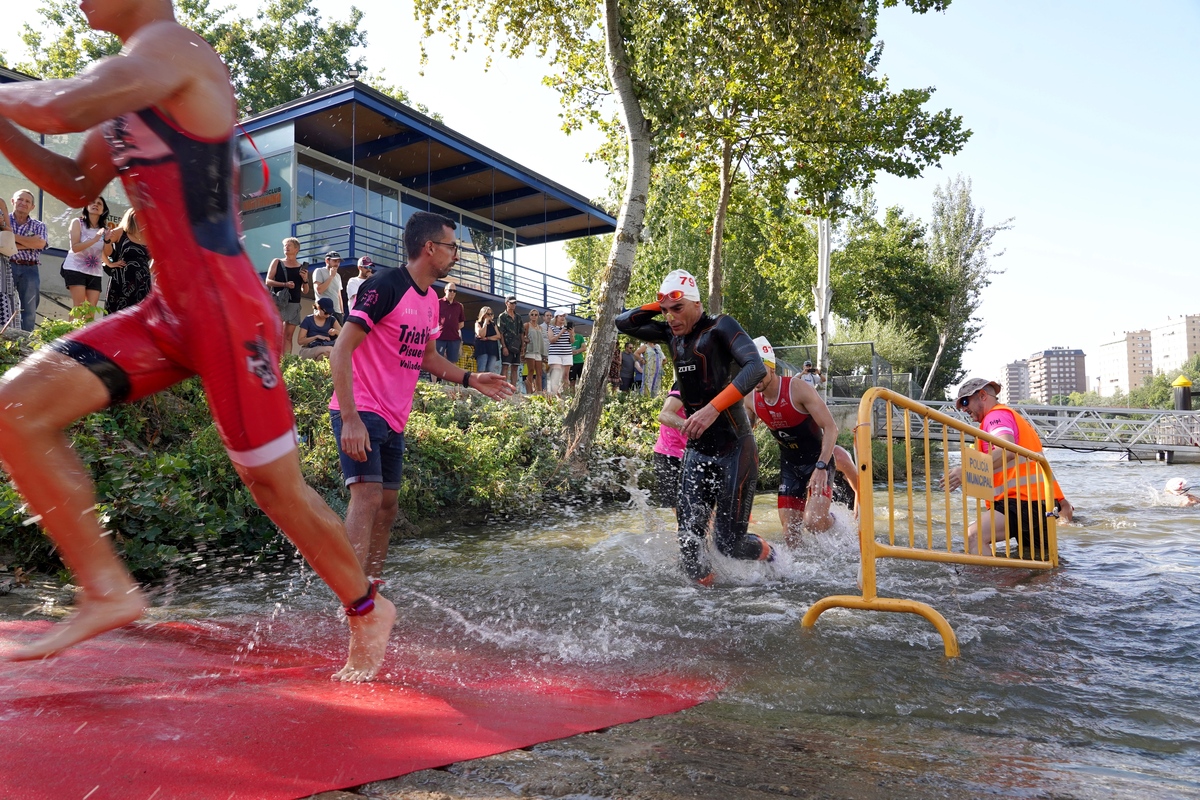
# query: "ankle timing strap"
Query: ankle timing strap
{"points": [[366, 603]]}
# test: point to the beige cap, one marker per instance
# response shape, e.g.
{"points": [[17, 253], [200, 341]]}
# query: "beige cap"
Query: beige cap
{"points": [[974, 385]]}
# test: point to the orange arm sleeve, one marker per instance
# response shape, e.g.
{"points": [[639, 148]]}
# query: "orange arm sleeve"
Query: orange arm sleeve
{"points": [[728, 396], [656, 307]]}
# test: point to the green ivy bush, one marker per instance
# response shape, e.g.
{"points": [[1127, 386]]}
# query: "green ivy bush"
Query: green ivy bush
{"points": [[169, 495]]}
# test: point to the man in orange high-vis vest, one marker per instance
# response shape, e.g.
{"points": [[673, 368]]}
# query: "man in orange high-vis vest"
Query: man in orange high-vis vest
{"points": [[1019, 507]]}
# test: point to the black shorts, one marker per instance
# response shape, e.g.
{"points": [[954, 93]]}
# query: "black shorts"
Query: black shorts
{"points": [[576, 371], [668, 470], [75, 278], [1030, 528]]}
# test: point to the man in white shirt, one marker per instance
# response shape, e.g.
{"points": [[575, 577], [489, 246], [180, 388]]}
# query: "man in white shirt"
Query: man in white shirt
{"points": [[366, 268], [328, 283], [812, 376]]}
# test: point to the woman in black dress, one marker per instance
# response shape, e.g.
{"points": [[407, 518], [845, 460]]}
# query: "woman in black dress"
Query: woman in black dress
{"points": [[128, 264]]}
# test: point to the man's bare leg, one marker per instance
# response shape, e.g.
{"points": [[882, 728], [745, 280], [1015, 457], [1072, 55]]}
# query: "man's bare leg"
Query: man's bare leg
{"points": [[318, 534], [792, 521], [816, 513], [369, 520], [38, 400], [381, 533], [994, 525]]}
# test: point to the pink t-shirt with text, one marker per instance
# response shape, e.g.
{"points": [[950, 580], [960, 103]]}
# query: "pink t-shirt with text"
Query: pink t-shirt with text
{"points": [[998, 422], [399, 319]]}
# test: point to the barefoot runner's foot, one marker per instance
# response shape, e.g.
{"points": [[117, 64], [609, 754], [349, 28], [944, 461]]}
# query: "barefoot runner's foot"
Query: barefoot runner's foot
{"points": [[93, 616], [368, 642]]}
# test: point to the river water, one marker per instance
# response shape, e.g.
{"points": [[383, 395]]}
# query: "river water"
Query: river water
{"points": [[1078, 683]]}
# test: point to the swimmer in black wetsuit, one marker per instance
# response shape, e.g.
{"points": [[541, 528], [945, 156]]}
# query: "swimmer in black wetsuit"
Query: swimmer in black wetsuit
{"points": [[716, 365]]}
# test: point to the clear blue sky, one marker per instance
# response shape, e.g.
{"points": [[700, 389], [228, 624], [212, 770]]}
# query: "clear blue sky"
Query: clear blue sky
{"points": [[1084, 117]]}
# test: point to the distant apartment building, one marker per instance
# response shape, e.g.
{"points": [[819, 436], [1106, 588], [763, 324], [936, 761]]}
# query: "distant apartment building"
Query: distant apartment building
{"points": [[1014, 382], [1126, 363], [1175, 342], [1057, 371]]}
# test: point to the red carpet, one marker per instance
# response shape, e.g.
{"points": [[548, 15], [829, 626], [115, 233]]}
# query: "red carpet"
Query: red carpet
{"points": [[216, 710]]}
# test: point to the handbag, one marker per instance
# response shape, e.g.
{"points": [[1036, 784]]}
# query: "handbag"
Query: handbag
{"points": [[282, 294], [8, 244]]}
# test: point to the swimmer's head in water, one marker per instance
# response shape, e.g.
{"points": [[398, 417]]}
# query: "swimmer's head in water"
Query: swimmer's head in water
{"points": [[1177, 486]]}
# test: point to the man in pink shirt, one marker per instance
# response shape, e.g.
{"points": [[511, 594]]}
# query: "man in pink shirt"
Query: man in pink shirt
{"points": [[1020, 504], [387, 340]]}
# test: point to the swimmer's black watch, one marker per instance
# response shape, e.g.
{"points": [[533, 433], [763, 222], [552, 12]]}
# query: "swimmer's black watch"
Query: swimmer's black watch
{"points": [[822, 465]]}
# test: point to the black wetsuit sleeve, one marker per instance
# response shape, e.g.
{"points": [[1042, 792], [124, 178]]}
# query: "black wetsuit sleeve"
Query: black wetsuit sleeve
{"points": [[641, 324], [742, 348]]}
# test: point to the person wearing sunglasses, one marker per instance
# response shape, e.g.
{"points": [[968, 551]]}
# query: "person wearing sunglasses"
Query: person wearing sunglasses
{"points": [[388, 339], [1019, 507], [716, 366], [453, 317]]}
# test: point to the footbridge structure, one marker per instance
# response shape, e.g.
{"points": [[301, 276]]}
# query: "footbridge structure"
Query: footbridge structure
{"points": [[1144, 434]]}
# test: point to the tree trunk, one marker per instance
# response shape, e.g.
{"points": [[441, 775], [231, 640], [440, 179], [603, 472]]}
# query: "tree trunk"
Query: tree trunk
{"points": [[584, 416], [715, 280], [943, 337], [822, 295]]}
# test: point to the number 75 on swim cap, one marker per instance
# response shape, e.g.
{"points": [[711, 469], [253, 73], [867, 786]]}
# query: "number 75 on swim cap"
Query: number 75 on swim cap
{"points": [[977, 474]]}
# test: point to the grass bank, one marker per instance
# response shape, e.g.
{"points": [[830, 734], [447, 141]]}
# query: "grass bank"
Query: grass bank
{"points": [[170, 497]]}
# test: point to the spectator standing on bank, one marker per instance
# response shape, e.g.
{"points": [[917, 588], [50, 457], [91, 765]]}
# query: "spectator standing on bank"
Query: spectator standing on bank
{"points": [[560, 352], [811, 375], [326, 282], [127, 262], [614, 368], [286, 278], [535, 343], [652, 369], [629, 364], [452, 316], [10, 302], [366, 268], [512, 340], [319, 331], [487, 342], [578, 353], [83, 269], [545, 325], [30, 234]]}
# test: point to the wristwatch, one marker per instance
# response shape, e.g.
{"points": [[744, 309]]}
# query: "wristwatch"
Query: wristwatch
{"points": [[822, 465]]}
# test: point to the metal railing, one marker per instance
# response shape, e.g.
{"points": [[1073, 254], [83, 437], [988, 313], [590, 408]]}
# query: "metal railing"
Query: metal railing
{"points": [[924, 522], [1142, 431], [354, 234]]}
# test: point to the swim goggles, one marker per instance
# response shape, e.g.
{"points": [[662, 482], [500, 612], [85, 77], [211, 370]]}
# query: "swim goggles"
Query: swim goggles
{"points": [[674, 294]]}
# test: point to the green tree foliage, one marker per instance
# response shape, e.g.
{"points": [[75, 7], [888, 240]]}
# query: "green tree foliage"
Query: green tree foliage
{"points": [[1157, 390], [894, 342], [285, 51], [882, 274], [960, 247]]}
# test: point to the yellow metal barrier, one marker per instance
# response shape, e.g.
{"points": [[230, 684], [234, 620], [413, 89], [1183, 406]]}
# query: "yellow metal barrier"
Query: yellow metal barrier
{"points": [[1036, 546]]}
